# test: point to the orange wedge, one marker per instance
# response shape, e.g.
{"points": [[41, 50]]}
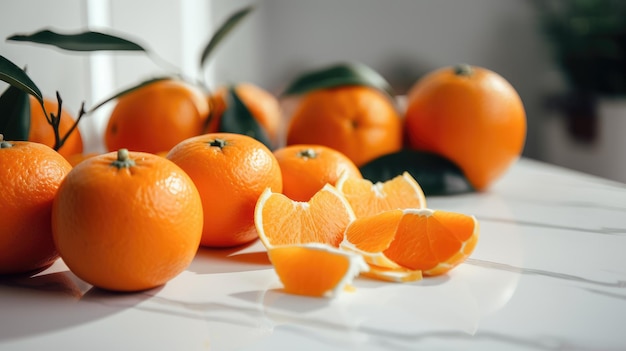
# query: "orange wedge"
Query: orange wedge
{"points": [[315, 269], [282, 221], [431, 241], [367, 198]]}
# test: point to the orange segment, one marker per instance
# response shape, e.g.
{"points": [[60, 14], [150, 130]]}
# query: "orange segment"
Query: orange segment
{"points": [[282, 221], [367, 198], [370, 236], [417, 239], [433, 241], [315, 269]]}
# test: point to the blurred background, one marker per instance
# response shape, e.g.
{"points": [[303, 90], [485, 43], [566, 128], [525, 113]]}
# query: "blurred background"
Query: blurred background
{"points": [[565, 58]]}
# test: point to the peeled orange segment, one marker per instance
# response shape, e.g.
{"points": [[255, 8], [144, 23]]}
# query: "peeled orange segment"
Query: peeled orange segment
{"points": [[439, 240], [397, 275], [282, 221], [371, 236], [367, 198], [431, 241], [315, 269]]}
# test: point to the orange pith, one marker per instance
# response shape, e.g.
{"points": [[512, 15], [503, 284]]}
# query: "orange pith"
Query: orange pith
{"points": [[323, 219], [396, 275], [369, 199]]}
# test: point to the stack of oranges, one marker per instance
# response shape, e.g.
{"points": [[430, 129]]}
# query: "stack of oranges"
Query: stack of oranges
{"points": [[133, 220]]}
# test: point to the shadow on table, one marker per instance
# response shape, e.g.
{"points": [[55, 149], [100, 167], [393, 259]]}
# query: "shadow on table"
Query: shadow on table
{"points": [[244, 258], [49, 302]]}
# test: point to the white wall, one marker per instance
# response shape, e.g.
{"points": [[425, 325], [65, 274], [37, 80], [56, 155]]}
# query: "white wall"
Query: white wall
{"points": [[401, 39], [175, 31]]}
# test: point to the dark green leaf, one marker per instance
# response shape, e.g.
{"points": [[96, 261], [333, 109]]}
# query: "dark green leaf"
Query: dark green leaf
{"points": [[435, 174], [85, 41], [15, 76], [15, 114], [338, 75], [223, 31], [128, 90], [238, 119]]}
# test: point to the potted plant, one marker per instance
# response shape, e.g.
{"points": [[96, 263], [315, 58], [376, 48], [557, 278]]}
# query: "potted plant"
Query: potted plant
{"points": [[588, 42]]}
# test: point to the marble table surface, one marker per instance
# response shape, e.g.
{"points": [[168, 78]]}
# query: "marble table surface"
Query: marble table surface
{"points": [[549, 273]]}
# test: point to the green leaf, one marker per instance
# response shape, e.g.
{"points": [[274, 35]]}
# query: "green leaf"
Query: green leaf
{"points": [[15, 76], [15, 114], [238, 119], [128, 90], [85, 41], [223, 31], [337, 75], [435, 174]]}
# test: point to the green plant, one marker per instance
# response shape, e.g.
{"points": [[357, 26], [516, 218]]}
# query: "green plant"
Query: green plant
{"points": [[14, 107], [588, 40]]}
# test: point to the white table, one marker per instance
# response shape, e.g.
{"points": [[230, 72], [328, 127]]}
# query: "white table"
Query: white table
{"points": [[549, 273]]}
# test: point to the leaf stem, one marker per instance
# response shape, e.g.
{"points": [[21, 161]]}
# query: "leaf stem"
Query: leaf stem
{"points": [[55, 121]]}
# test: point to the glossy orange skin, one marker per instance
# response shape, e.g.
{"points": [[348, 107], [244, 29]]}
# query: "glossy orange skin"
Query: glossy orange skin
{"points": [[307, 168], [30, 174], [263, 106], [477, 121], [358, 121], [156, 117], [230, 179], [42, 132], [127, 229]]}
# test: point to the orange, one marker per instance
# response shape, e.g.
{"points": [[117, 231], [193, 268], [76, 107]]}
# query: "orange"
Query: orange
{"points": [[282, 221], [307, 168], [78, 158], [263, 106], [42, 132], [231, 171], [156, 117], [431, 241], [359, 121], [367, 198], [127, 221], [315, 269], [470, 115], [29, 178]]}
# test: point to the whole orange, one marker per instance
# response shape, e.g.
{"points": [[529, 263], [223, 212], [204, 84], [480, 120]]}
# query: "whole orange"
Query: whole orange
{"points": [[470, 115], [29, 178], [127, 221], [156, 117], [263, 106], [307, 168], [42, 132], [231, 171], [359, 121]]}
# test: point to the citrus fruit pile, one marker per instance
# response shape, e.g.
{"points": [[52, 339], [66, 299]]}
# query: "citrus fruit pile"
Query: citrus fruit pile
{"points": [[133, 220], [186, 167]]}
